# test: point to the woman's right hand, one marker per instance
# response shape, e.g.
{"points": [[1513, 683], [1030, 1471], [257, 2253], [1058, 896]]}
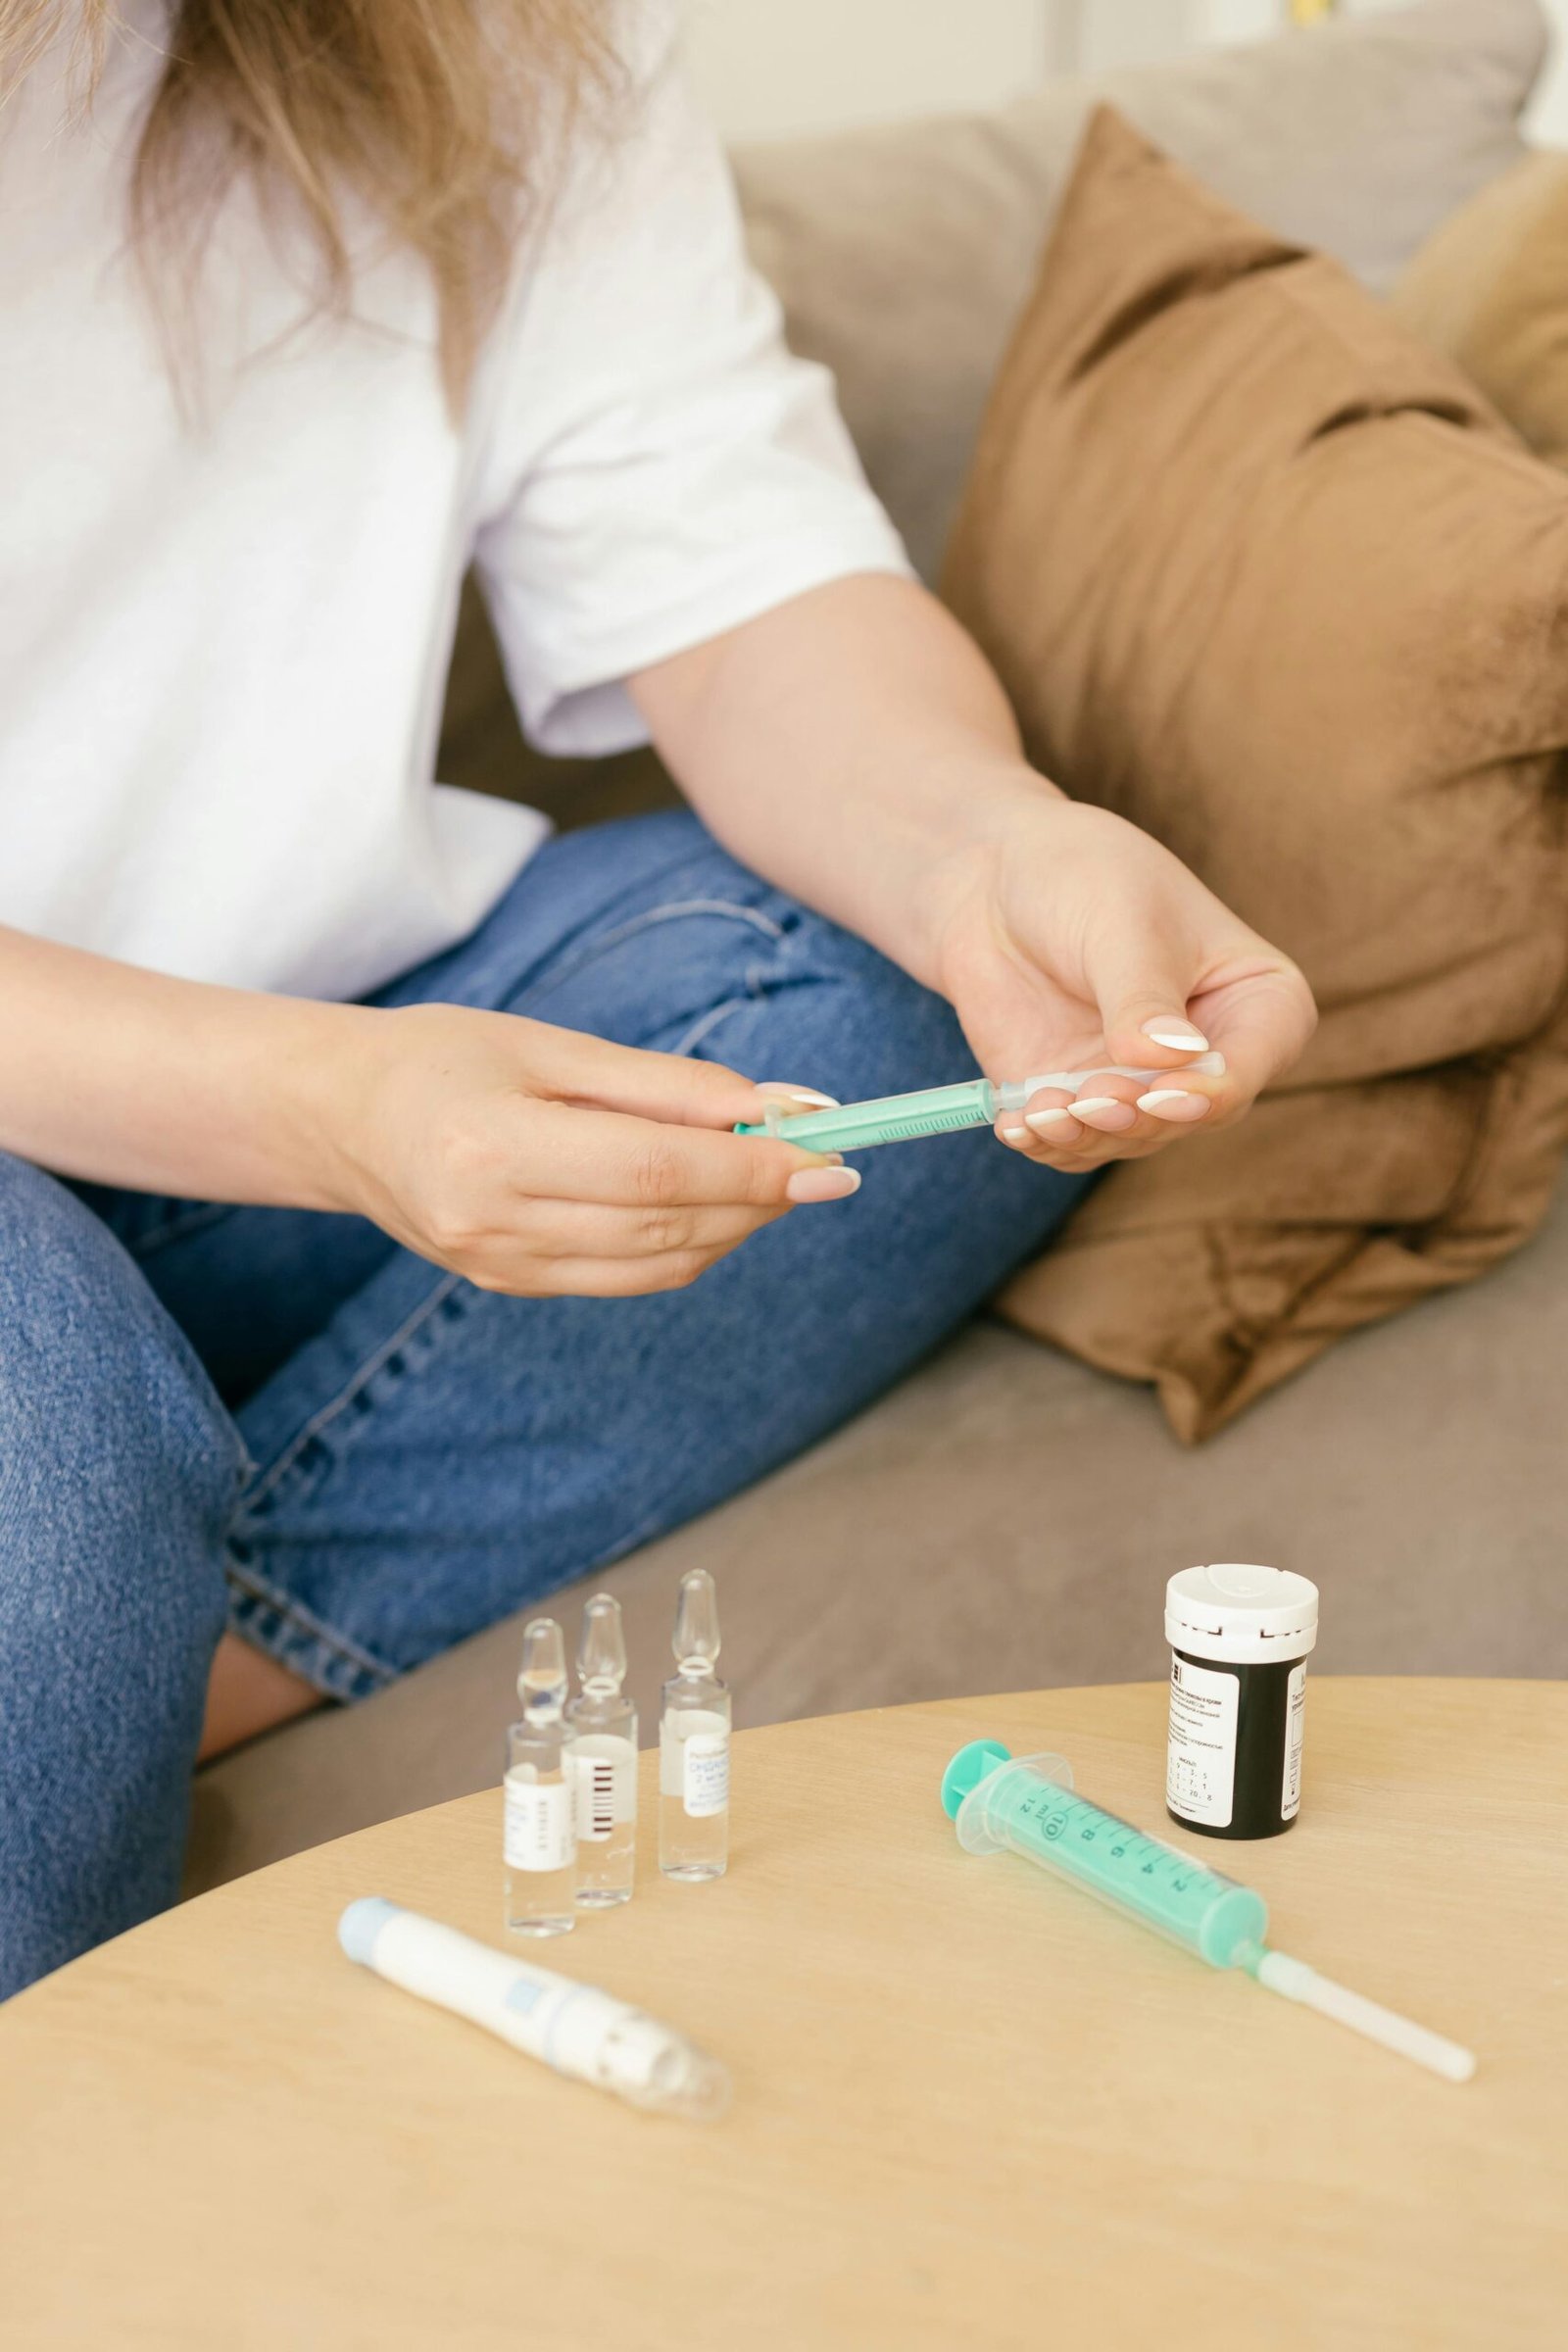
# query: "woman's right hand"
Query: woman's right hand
{"points": [[547, 1163]]}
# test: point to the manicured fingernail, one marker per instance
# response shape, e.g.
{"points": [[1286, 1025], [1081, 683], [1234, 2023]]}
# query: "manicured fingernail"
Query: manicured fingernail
{"points": [[823, 1184], [1045, 1121], [1015, 1135], [1106, 1111], [799, 1094], [1180, 1035], [1173, 1102]]}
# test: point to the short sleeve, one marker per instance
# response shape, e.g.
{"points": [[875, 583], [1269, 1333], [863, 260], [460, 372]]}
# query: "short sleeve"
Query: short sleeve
{"points": [[658, 467]]}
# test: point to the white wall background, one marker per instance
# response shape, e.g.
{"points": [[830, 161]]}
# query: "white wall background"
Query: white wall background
{"points": [[772, 68], [778, 67]]}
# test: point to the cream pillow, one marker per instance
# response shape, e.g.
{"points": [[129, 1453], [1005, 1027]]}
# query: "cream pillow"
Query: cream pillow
{"points": [[1491, 290]]}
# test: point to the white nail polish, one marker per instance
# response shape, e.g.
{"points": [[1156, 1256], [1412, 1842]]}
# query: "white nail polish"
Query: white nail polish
{"points": [[1180, 1035], [813, 1186], [1041, 1119], [1016, 1135], [799, 1094], [1163, 1094], [1097, 1102]]}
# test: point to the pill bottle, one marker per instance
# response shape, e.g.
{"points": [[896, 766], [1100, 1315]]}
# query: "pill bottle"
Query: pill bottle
{"points": [[1240, 1634]]}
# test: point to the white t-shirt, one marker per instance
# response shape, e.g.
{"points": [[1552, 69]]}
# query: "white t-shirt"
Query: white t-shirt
{"points": [[222, 644]]}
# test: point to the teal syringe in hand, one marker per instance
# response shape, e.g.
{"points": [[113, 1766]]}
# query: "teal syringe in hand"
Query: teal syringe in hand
{"points": [[1028, 1805], [944, 1109]]}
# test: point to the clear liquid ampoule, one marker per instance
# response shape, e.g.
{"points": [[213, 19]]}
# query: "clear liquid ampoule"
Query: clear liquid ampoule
{"points": [[541, 1830], [693, 1742], [602, 1759]]}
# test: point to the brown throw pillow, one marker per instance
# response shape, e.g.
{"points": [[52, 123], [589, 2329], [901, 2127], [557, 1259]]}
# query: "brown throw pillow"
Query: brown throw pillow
{"points": [[1265, 576], [1491, 290]]}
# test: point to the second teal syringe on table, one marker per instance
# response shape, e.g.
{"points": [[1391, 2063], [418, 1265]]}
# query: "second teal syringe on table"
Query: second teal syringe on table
{"points": [[944, 1109], [1028, 1805]]}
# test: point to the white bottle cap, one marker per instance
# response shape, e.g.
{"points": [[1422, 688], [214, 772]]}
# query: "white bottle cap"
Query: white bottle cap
{"points": [[1241, 1612]]}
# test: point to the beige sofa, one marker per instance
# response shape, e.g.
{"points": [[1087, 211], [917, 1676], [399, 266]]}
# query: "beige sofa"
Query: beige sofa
{"points": [[1007, 1518]]}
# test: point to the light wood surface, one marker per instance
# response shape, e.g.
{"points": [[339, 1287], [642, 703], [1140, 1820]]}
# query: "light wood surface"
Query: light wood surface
{"points": [[972, 2107]]}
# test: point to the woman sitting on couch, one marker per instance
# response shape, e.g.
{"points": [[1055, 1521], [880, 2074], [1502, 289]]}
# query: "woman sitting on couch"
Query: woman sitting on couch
{"points": [[362, 1146]]}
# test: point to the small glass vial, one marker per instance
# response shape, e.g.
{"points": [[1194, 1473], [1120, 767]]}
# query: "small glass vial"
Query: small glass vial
{"points": [[693, 1742], [601, 1759], [1240, 1634], [540, 1835]]}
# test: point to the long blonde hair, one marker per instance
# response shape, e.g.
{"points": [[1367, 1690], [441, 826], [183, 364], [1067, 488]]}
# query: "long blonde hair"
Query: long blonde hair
{"points": [[436, 114]]}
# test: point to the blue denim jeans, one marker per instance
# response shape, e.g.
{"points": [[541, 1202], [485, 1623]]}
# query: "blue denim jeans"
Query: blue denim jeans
{"points": [[284, 1420]]}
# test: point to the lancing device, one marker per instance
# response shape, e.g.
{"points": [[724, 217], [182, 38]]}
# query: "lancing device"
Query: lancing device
{"points": [[944, 1109], [573, 2028]]}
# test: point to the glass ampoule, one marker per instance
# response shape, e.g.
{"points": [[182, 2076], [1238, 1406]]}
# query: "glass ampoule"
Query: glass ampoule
{"points": [[693, 1742], [602, 1757], [541, 1828]]}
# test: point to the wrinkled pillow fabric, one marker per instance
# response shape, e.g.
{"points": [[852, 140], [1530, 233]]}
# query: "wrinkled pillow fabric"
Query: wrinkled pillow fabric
{"points": [[1266, 576]]}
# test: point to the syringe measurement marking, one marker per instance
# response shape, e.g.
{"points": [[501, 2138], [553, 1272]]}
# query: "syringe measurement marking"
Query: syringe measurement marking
{"points": [[936, 1122], [905, 1131], [1056, 1813]]}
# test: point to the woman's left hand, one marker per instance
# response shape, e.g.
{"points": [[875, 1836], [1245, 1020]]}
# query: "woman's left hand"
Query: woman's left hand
{"points": [[1066, 939]]}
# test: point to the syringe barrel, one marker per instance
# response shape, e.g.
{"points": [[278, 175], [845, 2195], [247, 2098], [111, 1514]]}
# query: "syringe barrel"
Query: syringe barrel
{"points": [[1028, 1806], [892, 1119]]}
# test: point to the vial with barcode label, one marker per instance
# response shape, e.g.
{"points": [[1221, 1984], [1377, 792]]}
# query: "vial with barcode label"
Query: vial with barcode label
{"points": [[540, 1819], [1240, 1634], [693, 1742], [602, 1725]]}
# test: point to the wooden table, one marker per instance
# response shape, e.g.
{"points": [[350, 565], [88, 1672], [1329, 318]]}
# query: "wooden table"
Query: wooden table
{"points": [[973, 2108]]}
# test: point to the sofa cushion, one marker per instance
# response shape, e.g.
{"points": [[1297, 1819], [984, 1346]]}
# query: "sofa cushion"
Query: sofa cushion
{"points": [[1491, 289], [1269, 579], [903, 255]]}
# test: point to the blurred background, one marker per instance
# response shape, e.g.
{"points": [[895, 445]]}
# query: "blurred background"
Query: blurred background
{"points": [[772, 69]]}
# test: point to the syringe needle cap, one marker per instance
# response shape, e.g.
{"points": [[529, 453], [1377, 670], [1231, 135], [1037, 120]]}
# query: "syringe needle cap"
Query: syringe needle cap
{"points": [[1298, 1982], [602, 1650], [696, 1641]]}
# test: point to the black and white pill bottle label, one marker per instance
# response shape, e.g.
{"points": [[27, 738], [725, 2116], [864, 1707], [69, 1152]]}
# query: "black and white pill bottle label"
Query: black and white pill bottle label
{"points": [[1200, 1753], [1240, 1634], [1295, 1740]]}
